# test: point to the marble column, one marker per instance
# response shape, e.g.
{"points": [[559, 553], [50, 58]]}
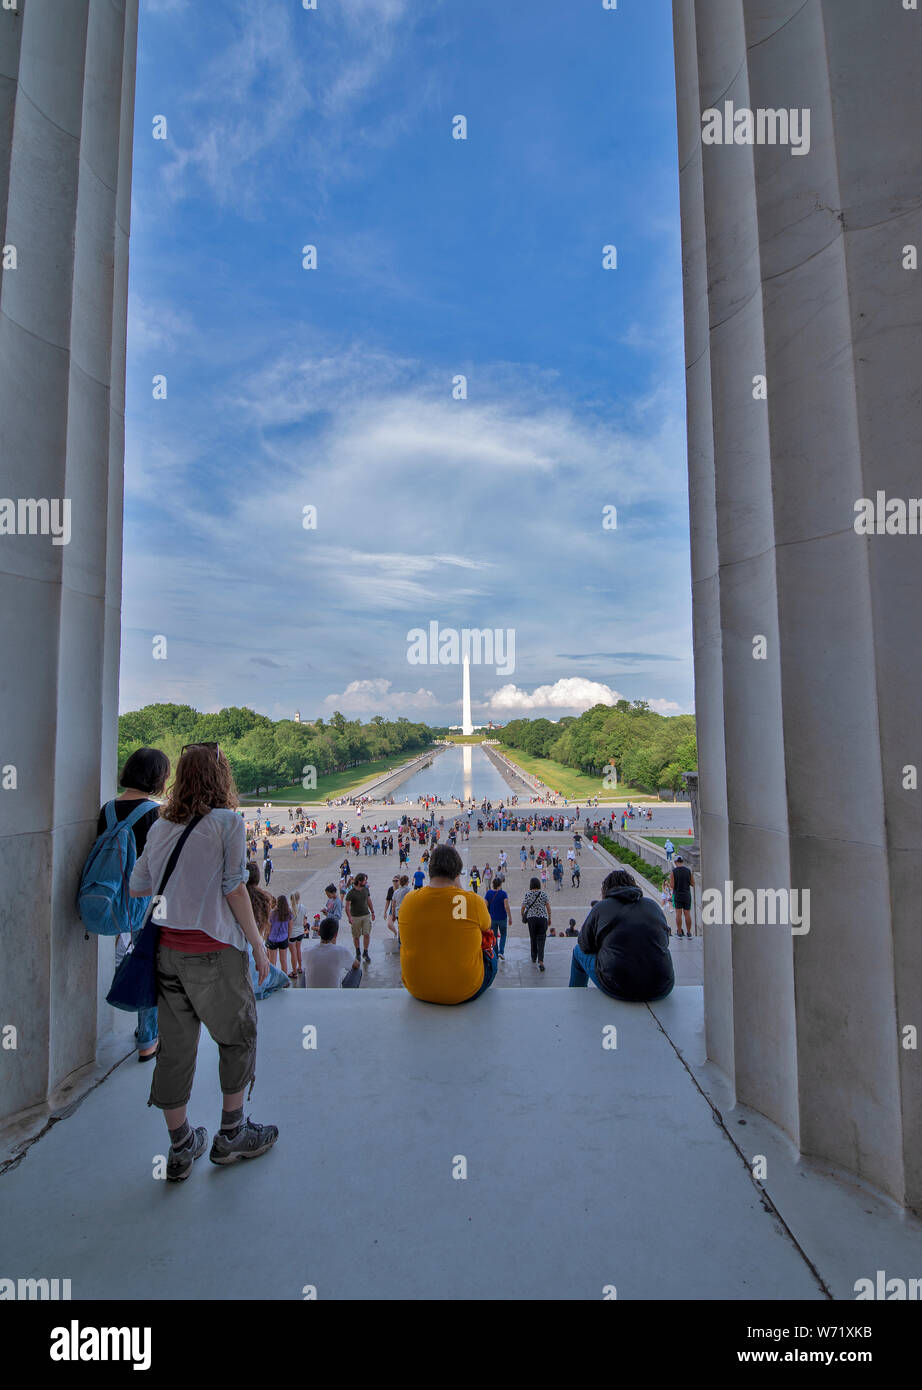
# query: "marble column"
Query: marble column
{"points": [[794, 270], [66, 126]]}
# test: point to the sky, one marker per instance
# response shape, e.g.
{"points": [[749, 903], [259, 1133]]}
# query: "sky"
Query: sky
{"points": [[336, 388]]}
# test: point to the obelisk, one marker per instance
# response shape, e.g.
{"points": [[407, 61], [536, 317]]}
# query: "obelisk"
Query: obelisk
{"points": [[467, 725]]}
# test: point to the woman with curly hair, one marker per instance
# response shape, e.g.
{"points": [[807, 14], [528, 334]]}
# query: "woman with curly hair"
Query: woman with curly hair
{"points": [[203, 974]]}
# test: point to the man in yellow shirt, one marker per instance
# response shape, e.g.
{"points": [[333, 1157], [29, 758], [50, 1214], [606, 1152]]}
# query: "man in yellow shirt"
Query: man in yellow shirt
{"points": [[447, 954]]}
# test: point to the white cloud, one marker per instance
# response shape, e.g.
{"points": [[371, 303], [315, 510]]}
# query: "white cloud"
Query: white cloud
{"points": [[379, 697], [666, 707], [571, 693]]}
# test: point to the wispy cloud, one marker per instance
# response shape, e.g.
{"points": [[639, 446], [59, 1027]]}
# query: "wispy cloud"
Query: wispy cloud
{"points": [[368, 697]]}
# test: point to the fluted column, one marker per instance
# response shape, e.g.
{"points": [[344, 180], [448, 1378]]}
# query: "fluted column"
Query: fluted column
{"points": [[805, 283], [66, 107]]}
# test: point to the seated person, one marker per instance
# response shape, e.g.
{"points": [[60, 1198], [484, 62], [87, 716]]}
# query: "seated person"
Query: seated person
{"points": [[447, 954], [623, 945], [328, 966]]}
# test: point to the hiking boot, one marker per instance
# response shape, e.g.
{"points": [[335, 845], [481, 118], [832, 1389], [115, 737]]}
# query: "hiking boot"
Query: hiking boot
{"points": [[179, 1161], [250, 1141]]}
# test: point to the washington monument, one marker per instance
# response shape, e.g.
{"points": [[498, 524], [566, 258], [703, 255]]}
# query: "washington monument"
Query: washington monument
{"points": [[467, 726]]}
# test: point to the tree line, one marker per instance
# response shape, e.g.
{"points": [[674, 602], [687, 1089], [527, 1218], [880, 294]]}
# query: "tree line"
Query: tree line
{"points": [[648, 750], [266, 753]]}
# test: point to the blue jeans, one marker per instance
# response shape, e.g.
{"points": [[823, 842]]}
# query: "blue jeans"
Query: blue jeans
{"points": [[352, 979], [582, 970], [489, 975], [500, 928], [146, 1031]]}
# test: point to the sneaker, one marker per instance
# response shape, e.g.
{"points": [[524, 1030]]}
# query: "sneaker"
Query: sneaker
{"points": [[540, 964], [250, 1141], [179, 1161], [366, 956]]}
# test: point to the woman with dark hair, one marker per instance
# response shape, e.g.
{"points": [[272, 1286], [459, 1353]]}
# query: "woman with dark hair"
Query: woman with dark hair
{"points": [[143, 778], [623, 945], [203, 973], [536, 914]]}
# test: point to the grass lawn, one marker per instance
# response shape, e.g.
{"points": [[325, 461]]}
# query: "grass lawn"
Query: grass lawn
{"points": [[661, 839], [569, 781], [333, 785]]}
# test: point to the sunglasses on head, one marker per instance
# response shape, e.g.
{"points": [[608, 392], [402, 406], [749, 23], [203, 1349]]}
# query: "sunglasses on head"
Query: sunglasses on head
{"points": [[215, 746]]}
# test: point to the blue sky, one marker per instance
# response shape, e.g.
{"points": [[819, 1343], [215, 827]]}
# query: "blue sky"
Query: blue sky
{"points": [[332, 387]]}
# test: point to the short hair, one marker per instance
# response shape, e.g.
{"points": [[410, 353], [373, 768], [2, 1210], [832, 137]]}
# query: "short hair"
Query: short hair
{"points": [[146, 770], [497, 883], [572, 921], [535, 883], [404, 880], [618, 878], [328, 928], [445, 862]]}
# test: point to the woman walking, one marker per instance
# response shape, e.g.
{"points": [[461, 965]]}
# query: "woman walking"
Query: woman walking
{"points": [[497, 900], [536, 914], [203, 972], [279, 928]]}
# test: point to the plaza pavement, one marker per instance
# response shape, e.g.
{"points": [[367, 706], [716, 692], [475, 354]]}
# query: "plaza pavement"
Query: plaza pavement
{"points": [[310, 874]]}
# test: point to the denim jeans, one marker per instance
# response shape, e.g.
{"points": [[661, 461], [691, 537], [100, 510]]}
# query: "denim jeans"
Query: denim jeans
{"points": [[352, 979], [582, 970], [500, 929], [146, 1031], [489, 975]]}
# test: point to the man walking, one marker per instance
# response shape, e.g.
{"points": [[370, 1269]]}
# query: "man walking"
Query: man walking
{"points": [[361, 913], [682, 881]]}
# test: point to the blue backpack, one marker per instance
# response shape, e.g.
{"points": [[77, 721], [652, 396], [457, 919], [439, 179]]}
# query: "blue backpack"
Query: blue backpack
{"points": [[103, 901]]}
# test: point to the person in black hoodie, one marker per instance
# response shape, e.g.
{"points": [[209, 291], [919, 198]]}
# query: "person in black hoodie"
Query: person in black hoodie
{"points": [[623, 945]]}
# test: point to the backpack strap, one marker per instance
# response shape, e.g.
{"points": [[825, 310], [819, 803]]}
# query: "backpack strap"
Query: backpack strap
{"points": [[140, 810]]}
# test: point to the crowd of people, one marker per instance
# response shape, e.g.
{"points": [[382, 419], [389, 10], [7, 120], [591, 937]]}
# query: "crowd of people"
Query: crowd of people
{"points": [[220, 930]]}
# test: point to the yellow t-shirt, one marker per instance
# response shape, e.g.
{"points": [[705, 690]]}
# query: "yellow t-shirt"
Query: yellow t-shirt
{"points": [[441, 954]]}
